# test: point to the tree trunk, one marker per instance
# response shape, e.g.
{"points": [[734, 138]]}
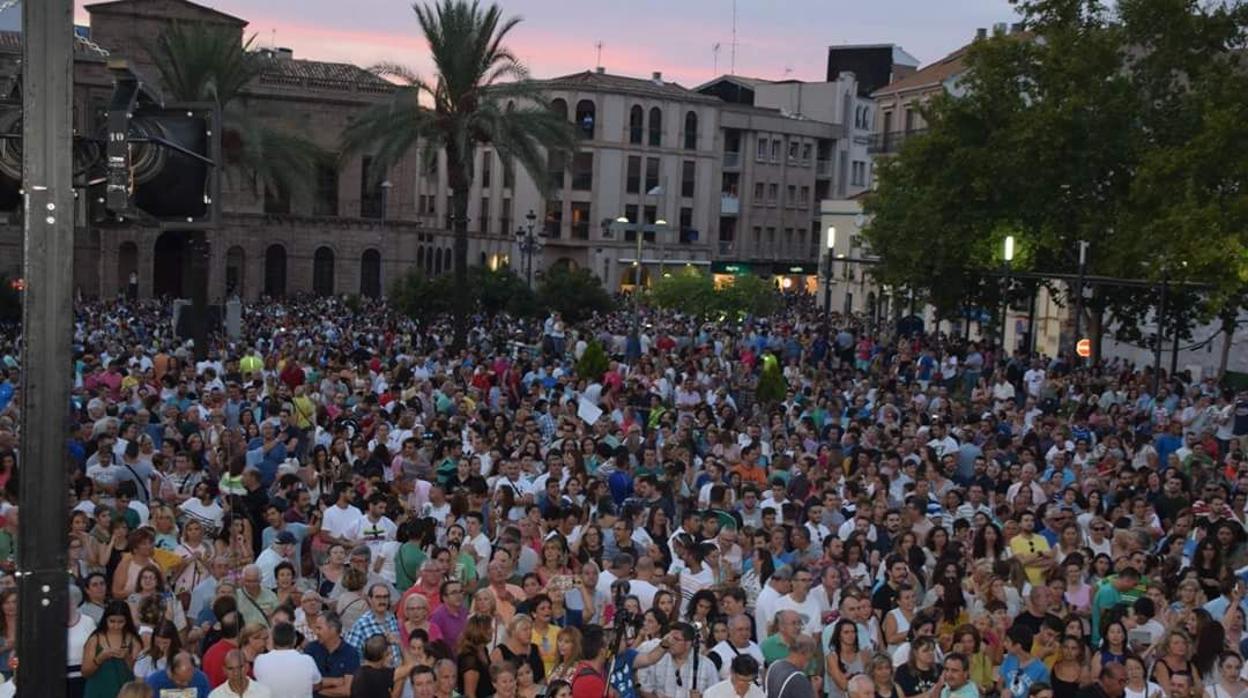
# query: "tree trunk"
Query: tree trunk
{"points": [[459, 177]]}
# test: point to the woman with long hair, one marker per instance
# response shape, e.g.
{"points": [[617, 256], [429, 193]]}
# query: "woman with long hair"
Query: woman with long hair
{"points": [[472, 662], [110, 652], [518, 646], [982, 670], [988, 543], [1228, 684], [165, 643], [843, 658], [883, 679], [920, 672], [1113, 647], [569, 647], [1138, 685], [1070, 671], [1174, 657]]}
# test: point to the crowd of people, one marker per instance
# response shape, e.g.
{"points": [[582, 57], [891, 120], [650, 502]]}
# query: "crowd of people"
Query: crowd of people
{"points": [[338, 503]]}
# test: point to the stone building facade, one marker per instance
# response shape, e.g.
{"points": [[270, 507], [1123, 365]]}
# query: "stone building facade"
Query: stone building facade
{"points": [[678, 164]]}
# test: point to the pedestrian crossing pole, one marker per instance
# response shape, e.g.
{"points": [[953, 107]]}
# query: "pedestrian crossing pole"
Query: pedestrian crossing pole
{"points": [[47, 331]]}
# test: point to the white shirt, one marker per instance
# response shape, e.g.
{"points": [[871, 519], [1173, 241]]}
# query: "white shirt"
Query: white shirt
{"points": [[255, 689], [340, 522], [725, 689], [726, 652], [809, 610], [287, 673], [267, 561], [765, 607]]}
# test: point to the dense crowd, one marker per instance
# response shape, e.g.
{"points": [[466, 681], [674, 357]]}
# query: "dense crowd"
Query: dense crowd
{"points": [[335, 503]]}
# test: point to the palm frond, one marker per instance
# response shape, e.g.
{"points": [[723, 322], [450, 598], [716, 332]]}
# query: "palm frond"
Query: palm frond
{"points": [[203, 63]]}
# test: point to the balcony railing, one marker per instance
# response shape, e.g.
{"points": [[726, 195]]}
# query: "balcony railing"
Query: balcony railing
{"points": [[732, 159], [890, 141]]}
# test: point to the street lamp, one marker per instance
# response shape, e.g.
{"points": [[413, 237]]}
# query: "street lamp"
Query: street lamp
{"points": [[1008, 255], [529, 243], [827, 284], [385, 198]]}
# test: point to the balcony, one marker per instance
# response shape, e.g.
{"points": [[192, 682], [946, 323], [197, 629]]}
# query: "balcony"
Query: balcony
{"points": [[823, 168], [732, 160], [729, 205], [889, 142]]}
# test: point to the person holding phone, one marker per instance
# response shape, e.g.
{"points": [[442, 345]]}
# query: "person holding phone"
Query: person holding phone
{"points": [[110, 652]]}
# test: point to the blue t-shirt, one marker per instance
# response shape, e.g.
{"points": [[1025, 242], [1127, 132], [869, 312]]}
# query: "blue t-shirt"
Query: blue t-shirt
{"points": [[1019, 680], [160, 682], [622, 675]]}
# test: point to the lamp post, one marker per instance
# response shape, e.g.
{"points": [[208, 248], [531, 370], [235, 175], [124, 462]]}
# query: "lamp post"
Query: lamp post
{"points": [[827, 281], [529, 244], [1083, 267], [1005, 303]]}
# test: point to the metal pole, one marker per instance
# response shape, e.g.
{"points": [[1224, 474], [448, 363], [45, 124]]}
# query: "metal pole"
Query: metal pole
{"points": [[1161, 334], [1031, 322], [47, 172], [1174, 354], [1083, 268]]}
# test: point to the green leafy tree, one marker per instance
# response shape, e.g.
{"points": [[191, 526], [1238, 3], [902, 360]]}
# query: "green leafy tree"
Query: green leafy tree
{"points": [[694, 293], [480, 96], [594, 362], [576, 293], [1111, 125], [687, 291]]}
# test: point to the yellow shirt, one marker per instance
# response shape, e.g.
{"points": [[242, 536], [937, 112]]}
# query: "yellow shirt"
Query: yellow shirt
{"points": [[1019, 545], [548, 645]]}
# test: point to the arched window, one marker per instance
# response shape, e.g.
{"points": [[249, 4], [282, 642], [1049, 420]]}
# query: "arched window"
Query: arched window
{"points": [[585, 117], [370, 274], [691, 131], [636, 124], [323, 272], [656, 126], [559, 107], [275, 271]]}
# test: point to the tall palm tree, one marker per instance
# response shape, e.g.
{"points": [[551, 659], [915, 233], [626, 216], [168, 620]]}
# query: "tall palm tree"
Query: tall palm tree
{"points": [[208, 63], [482, 95]]}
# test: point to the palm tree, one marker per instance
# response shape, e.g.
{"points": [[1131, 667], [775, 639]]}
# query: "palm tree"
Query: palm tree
{"points": [[208, 63], [481, 96]]}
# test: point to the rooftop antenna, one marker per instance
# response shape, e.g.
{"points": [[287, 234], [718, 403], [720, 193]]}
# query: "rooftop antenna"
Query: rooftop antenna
{"points": [[598, 45], [732, 55], [715, 52]]}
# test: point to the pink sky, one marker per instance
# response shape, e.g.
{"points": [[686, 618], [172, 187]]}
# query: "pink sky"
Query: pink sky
{"points": [[774, 37]]}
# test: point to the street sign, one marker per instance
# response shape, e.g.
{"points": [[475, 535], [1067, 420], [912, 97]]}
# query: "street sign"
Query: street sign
{"points": [[1084, 348]]}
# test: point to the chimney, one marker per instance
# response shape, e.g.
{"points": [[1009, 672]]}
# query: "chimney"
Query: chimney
{"points": [[981, 33], [657, 77], [285, 54], [601, 70]]}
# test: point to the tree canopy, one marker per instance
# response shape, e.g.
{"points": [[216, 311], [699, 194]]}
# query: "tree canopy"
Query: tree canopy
{"points": [[1123, 126]]}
